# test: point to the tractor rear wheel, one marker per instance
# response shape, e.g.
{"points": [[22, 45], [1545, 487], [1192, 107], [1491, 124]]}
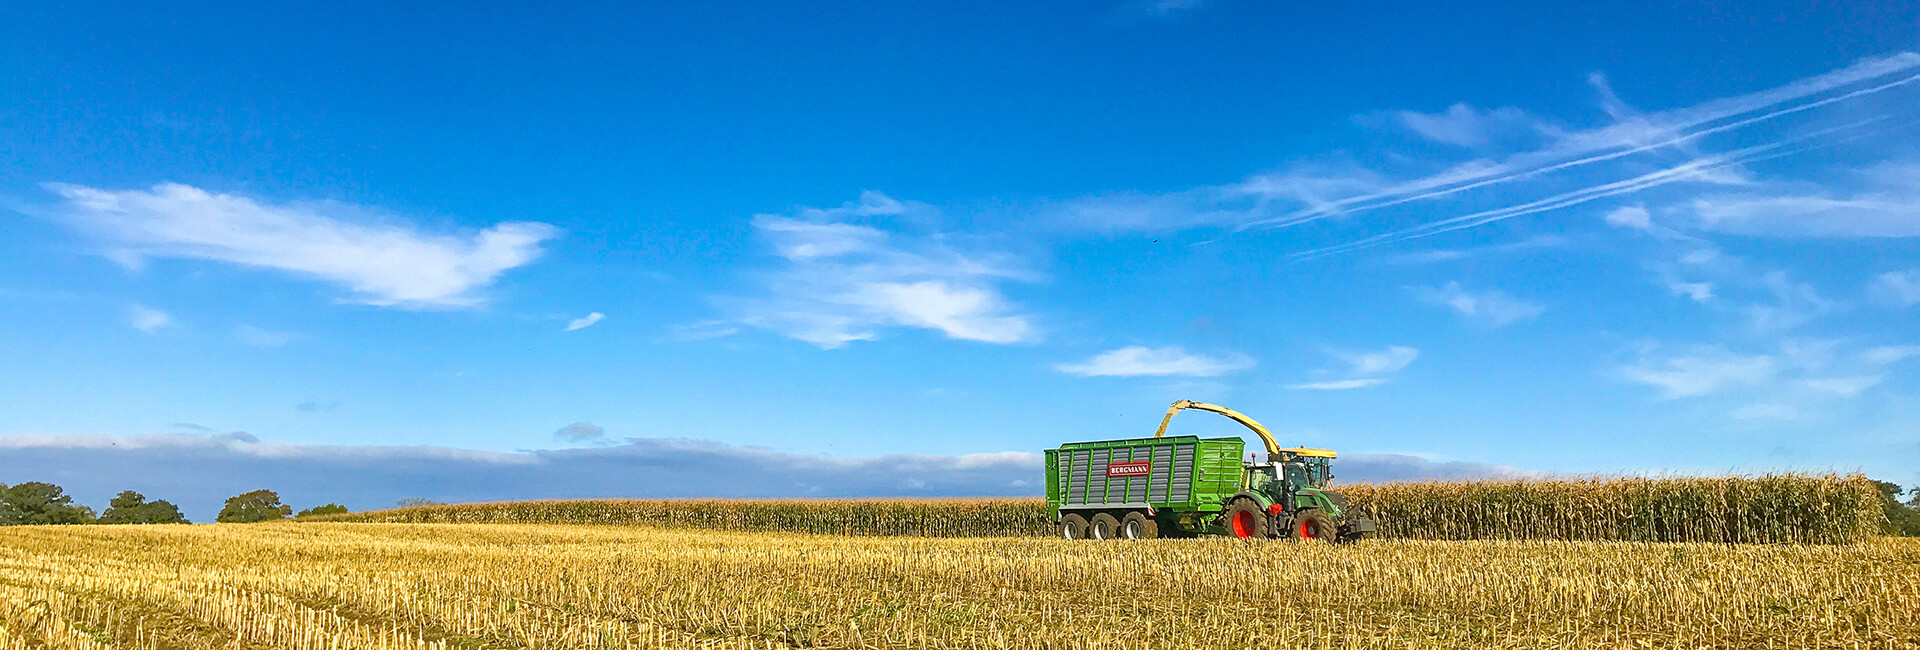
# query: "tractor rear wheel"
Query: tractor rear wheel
{"points": [[1137, 525], [1103, 526], [1246, 520], [1314, 526], [1073, 527]]}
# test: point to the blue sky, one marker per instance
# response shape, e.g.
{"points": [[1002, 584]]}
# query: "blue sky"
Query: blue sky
{"points": [[1549, 238]]}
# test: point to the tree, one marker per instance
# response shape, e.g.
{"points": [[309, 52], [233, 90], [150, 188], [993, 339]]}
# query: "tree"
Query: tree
{"points": [[1902, 519], [35, 503], [414, 502], [329, 509], [258, 505], [131, 507]]}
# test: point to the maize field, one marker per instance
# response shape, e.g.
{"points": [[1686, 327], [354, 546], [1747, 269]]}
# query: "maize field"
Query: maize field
{"points": [[1783, 508], [313, 586], [892, 517]]}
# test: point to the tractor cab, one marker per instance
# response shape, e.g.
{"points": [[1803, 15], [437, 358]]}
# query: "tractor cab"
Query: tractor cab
{"points": [[1289, 473]]}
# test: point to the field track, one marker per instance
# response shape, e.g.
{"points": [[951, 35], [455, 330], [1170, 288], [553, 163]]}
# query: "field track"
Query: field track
{"points": [[305, 586]]}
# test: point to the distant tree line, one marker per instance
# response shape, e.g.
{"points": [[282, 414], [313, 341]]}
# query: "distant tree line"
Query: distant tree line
{"points": [[36, 503], [1902, 518]]}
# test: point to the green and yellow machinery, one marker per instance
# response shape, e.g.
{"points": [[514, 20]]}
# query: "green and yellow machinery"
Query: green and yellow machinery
{"points": [[1171, 486]]}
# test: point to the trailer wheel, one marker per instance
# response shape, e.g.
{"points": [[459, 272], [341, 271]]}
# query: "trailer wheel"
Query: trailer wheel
{"points": [[1103, 526], [1314, 526], [1246, 520], [1073, 527], [1137, 525]]}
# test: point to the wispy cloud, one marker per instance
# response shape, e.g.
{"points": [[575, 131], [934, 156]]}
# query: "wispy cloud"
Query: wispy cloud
{"points": [[1530, 244], [844, 281], [381, 261], [147, 319], [1492, 307], [1525, 164], [1796, 373], [586, 321], [1365, 369], [1792, 304], [1700, 372], [580, 432], [262, 338], [1141, 361], [1901, 288], [1766, 411], [1843, 386], [1163, 7], [1887, 204], [1890, 354], [1339, 384], [1473, 128]]}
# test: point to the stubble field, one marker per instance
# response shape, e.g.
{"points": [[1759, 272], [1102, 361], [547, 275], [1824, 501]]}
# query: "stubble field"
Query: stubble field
{"points": [[365, 585]]}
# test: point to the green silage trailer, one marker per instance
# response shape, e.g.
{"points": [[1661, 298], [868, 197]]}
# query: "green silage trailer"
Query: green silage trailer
{"points": [[1141, 488]]}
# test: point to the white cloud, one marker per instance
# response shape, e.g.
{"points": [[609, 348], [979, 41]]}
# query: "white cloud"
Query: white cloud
{"points": [[1169, 6], [1897, 287], [1801, 373], [1631, 216], [1366, 369], [845, 282], [1141, 361], [1469, 127], [260, 338], [580, 432], [586, 321], [1766, 412], [1390, 360], [149, 320], [1886, 205], [1793, 304], [1493, 307], [1702, 372], [1842, 386], [382, 263], [1696, 291], [1889, 354], [1343, 384]]}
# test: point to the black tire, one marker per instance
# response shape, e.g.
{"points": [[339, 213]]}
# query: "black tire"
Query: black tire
{"points": [[1103, 526], [1137, 525], [1246, 520], [1313, 526], [1073, 527]]}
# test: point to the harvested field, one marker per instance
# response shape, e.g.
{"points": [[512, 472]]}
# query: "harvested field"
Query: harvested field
{"points": [[308, 586]]}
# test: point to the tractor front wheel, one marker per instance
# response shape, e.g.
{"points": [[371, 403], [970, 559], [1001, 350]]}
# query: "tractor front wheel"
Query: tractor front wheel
{"points": [[1073, 527], [1103, 526], [1137, 525], [1314, 526], [1246, 520]]}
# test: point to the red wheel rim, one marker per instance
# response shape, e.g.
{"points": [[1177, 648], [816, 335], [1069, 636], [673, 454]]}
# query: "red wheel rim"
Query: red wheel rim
{"points": [[1243, 524], [1308, 530]]}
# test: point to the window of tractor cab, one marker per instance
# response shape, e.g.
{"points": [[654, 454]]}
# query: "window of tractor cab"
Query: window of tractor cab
{"points": [[1297, 476]]}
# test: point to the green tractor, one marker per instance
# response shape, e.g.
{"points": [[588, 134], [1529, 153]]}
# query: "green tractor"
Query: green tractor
{"points": [[1184, 485]]}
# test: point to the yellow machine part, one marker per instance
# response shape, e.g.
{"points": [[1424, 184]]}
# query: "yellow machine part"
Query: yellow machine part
{"points": [[1274, 452]]}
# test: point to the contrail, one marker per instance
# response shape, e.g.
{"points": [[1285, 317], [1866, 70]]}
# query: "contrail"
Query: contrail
{"points": [[1575, 197], [1617, 154], [1688, 118]]}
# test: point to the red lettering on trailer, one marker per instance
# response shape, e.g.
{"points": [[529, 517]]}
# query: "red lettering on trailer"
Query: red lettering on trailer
{"points": [[1136, 468]]}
